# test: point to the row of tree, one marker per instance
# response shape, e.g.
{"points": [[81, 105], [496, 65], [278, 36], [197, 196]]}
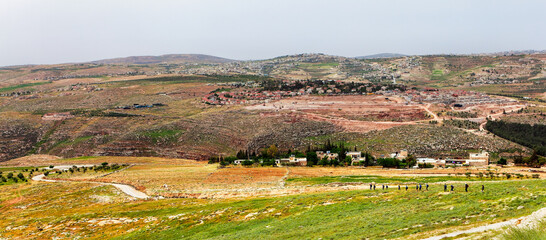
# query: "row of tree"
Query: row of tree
{"points": [[532, 136], [267, 156]]}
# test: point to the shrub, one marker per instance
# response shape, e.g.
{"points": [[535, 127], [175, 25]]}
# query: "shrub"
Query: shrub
{"points": [[425, 165], [388, 162], [515, 233], [247, 163]]}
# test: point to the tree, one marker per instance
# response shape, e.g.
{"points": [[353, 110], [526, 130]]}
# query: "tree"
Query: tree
{"points": [[273, 151], [20, 176], [312, 158], [247, 163], [324, 161], [502, 161], [347, 161], [230, 159], [104, 164], [370, 160], [388, 162], [268, 162], [411, 161], [533, 160], [241, 154]]}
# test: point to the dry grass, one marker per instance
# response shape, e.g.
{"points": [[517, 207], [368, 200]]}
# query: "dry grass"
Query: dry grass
{"points": [[46, 160]]}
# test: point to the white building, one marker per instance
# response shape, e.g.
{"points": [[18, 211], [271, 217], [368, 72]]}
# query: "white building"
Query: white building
{"points": [[356, 157]]}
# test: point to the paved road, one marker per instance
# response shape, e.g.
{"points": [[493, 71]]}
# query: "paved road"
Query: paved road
{"points": [[129, 190]]}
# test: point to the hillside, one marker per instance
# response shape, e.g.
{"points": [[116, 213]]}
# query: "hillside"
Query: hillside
{"points": [[382, 55], [168, 58]]}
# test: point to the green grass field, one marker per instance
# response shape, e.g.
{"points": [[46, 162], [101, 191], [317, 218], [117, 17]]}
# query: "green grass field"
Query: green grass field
{"points": [[15, 87], [73, 210], [381, 180]]}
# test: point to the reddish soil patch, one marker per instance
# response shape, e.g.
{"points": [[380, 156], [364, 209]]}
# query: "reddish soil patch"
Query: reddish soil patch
{"points": [[356, 113], [245, 175]]}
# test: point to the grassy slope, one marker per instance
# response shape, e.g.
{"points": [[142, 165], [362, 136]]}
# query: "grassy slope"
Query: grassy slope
{"points": [[380, 179], [72, 209], [353, 214]]}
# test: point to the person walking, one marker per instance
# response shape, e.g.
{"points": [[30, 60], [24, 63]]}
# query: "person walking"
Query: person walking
{"points": [[427, 186], [406, 187], [466, 187], [387, 187], [452, 188], [445, 187], [417, 187], [383, 187], [483, 188], [420, 187], [374, 187], [398, 186], [370, 186]]}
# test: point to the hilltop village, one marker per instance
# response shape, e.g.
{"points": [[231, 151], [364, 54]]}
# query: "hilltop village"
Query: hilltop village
{"points": [[256, 93]]}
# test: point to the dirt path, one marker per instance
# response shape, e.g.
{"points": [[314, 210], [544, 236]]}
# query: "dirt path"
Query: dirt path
{"points": [[526, 221], [127, 189], [436, 118], [282, 181]]}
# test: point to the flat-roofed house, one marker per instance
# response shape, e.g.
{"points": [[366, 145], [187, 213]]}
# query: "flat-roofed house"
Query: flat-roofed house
{"points": [[478, 159], [356, 157]]}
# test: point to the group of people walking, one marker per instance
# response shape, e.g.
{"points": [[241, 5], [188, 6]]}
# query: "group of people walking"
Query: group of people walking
{"points": [[419, 187]]}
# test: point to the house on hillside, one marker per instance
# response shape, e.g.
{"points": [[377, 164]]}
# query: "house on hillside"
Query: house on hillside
{"points": [[292, 160], [57, 116], [330, 155], [478, 159], [356, 157], [432, 161], [400, 155]]}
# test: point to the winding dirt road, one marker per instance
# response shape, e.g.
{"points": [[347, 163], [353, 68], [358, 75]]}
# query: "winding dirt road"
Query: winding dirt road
{"points": [[127, 189]]}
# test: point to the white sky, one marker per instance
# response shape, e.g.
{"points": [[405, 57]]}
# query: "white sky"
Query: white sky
{"points": [[57, 31]]}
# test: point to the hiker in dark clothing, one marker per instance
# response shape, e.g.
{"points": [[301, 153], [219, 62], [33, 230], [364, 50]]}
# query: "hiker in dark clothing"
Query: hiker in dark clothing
{"points": [[417, 187], [387, 187], [427, 186], [374, 187], [420, 187], [466, 187], [370, 186], [383, 187], [398, 187], [445, 187], [452, 188], [406, 187], [483, 188]]}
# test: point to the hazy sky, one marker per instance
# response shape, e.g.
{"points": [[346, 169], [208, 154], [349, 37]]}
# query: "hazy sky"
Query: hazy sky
{"points": [[57, 31]]}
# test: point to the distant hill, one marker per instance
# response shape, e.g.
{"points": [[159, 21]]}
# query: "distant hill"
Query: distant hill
{"points": [[169, 58], [382, 55]]}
